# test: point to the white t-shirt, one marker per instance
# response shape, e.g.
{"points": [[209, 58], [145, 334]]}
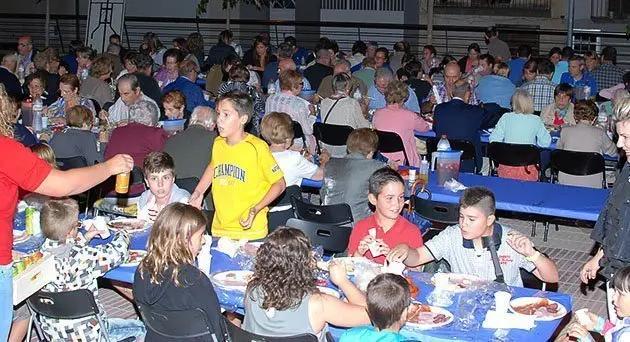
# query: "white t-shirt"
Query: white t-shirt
{"points": [[294, 166]]}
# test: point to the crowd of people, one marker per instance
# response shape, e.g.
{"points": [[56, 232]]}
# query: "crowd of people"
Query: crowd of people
{"points": [[238, 138]]}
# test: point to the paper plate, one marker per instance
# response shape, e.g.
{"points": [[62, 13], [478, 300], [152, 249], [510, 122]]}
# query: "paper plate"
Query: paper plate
{"points": [[536, 307], [350, 262], [427, 317], [135, 257], [131, 225], [232, 280], [328, 290], [462, 282]]}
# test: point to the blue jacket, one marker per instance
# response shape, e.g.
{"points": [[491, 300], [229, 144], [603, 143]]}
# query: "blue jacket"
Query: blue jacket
{"points": [[587, 80], [495, 89], [193, 93], [516, 70]]}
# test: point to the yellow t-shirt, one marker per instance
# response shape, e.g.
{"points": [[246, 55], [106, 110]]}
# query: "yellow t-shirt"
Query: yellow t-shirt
{"points": [[243, 174]]}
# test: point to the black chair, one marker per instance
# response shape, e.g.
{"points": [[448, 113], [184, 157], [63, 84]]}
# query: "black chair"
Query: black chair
{"points": [[178, 324], [333, 238], [97, 106], [335, 214], [189, 184], [390, 142], [513, 155], [444, 214], [65, 164], [240, 335], [467, 148], [335, 135], [63, 305], [298, 133], [577, 164]]}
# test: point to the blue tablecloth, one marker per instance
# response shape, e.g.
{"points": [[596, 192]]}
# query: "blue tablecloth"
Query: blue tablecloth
{"points": [[485, 137]]}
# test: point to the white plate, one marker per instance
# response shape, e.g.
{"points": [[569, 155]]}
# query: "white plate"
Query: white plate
{"points": [[350, 262], [434, 311], [562, 311], [135, 257], [20, 236], [461, 282], [251, 248], [328, 290], [233, 280], [131, 225]]}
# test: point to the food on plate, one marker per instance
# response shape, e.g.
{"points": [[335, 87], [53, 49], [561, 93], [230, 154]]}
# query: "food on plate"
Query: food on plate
{"points": [[404, 173], [413, 289], [423, 315], [135, 257], [235, 279], [251, 248], [461, 282], [127, 224], [540, 308]]}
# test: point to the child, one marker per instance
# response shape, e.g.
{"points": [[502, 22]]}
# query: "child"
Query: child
{"points": [[244, 176], [560, 112], [346, 179], [78, 266], [277, 130], [619, 331], [159, 175], [45, 152], [372, 237], [167, 278], [466, 246], [387, 305], [282, 299]]}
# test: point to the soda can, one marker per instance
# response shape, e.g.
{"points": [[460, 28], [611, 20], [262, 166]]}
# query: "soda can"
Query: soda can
{"points": [[20, 266], [29, 212], [122, 182]]}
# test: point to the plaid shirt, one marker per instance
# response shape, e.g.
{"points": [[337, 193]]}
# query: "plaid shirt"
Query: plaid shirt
{"points": [[608, 75], [541, 89], [441, 88]]}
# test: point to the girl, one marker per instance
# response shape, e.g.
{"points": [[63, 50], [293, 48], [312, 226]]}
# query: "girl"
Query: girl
{"points": [[282, 299], [167, 278]]}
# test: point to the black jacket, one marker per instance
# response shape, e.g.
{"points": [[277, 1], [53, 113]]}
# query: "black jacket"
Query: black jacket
{"points": [[217, 54], [11, 84], [150, 87]]}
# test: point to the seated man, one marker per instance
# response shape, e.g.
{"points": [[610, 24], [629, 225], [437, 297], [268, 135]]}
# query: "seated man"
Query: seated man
{"points": [[130, 94], [471, 246], [496, 89], [186, 84], [452, 74], [579, 80], [342, 66], [376, 92]]}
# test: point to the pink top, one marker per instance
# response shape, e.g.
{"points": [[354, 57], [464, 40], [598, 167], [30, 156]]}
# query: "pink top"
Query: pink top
{"points": [[402, 121]]}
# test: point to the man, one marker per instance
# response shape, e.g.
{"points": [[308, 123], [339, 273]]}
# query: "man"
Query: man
{"points": [[417, 81], [382, 58], [342, 66], [359, 49], [186, 84], [320, 69], [542, 88], [376, 92], [366, 74], [8, 78], [496, 47], [191, 149], [608, 74], [25, 49], [71, 58], [495, 89], [115, 39], [578, 79], [299, 53], [516, 65], [113, 54], [460, 120], [221, 51], [289, 64], [452, 74], [130, 94], [486, 66], [284, 52], [562, 65], [148, 84]]}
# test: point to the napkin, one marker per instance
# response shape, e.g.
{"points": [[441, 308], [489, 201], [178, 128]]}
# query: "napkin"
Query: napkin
{"points": [[395, 267], [100, 225], [496, 320], [204, 257], [229, 246]]}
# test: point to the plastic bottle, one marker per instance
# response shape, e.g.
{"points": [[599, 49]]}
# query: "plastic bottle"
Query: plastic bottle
{"points": [[424, 170], [271, 88], [38, 112], [20, 73], [410, 181], [357, 94], [587, 92], [84, 73], [443, 144]]}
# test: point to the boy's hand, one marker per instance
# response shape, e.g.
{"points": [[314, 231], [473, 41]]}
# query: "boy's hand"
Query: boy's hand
{"points": [[384, 248], [577, 331], [337, 271], [195, 199], [589, 323], [324, 157], [91, 232], [364, 244], [247, 218], [521, 244], [398, 253]]}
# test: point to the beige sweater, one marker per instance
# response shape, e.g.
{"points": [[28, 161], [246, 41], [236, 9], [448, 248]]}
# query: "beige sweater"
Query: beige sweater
{"points": [[548, 115]]}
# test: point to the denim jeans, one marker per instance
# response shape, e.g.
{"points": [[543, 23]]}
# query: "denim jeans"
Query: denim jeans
{"points": [[120, 329], [6, 301]]}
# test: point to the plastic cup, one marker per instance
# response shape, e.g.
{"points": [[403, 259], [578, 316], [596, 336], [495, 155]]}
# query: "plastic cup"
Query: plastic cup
{"points": [[122, 182], [441, 280], [44, 122], [396, 268], [502, 301], [375, 249]]}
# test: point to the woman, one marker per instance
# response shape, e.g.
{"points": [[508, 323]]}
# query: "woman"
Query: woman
{"points": [[35, 88], [152, 44], [129, 64], [469, 62], [394, 118], [168, 73], [282, 299], [238, 77], [560, 112], [341, 109], [167, 278], [584, 137], [97, 85], [521, 126], [429, 58], [530, 70], [77, 140], [260, 56], [175, 106], [181, 44], [195, 45], [69, 87]]}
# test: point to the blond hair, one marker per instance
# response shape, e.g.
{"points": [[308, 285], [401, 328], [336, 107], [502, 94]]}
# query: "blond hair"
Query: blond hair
{"points": [[79, 115], [6, 113], [290, 79], [522, 102], [276, 128], [501, 69], [169, 243], [45, 153], [59, 217], [362, 140], [397, 92], [621, 111]]}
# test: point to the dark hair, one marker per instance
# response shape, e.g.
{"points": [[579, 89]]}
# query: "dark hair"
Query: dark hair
{"points": [[585, 110], [156, 162], [238, 73], [474, 47], [545, 67], [359, 47], [173, 53], [75, 44], [480, 198], [524, 50], [590, 54], [382, 177], [401, 46], [621, 280], [143, 61], [567, 52], [488, 58], [563, 88], [132, 79], [131, 56], [182, 44], [225, 35], [290, 40], [413, 68], [85, 52], [491, 31], [432, 48], [531, 65], [230, 60], [383, 50], [402, 72], [609, 53], [555, 50], [115, 36], [626, 78], [284, 50], [240, 100], [38, 74], [387, 297], [445, 60]]}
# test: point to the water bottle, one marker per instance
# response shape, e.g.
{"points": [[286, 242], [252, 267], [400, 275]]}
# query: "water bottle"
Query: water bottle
{"points": [[443, 144], [587, 92], [410, 181], [424, 169], [357, 94], [84, 73], [271, 87], [20, 73], [38, 112], [602, 120]]}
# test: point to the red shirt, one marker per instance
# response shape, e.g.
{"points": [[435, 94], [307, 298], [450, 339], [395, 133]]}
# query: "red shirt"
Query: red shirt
{"points": [[402, 231], [19, 168]]}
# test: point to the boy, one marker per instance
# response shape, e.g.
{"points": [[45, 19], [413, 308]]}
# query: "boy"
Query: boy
{"points": [[466, 248], [346, 179], [277, 130], [159, 175], [372, 237], [79, 265], [387, 305], [578, 80], [244, 174]]}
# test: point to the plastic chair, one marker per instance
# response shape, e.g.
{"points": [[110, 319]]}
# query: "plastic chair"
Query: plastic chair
{"points": [[177, 324], [513, 155], [444, 213], [298, 133], [465, 146], [136, 177], [333, 238], [390, 142], [240, 335], [335, 135], [65, 164], [335, 214], [577, 164], [63, 305], [189, 184]]}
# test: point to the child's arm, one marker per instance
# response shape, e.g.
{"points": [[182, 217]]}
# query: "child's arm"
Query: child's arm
{"points": [[196, 198], [546, 269], [410, 256], [101, 259], [324, 157], [275, 190]]}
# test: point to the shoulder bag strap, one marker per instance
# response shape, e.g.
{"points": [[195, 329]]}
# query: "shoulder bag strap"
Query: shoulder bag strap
{"points": [[330, 110]]}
